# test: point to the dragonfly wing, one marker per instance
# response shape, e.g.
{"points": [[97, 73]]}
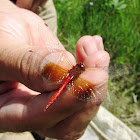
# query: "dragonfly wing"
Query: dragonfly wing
{"points": [[118, 71], [53, 68], [115, 71], [84, 90]]}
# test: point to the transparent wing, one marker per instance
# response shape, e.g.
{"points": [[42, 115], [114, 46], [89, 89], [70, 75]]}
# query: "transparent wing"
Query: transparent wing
{"points": [[118, 71]]}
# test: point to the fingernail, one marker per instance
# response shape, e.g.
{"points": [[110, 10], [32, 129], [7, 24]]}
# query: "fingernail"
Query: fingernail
{"points": [[89, 46]]}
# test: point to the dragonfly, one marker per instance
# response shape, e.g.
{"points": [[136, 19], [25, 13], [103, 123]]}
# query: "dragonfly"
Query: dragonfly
{"points": [[68, 77], [73, 73]]}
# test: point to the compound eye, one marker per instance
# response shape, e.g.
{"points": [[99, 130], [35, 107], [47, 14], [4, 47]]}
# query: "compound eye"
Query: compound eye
{"points": [[82, 65]]}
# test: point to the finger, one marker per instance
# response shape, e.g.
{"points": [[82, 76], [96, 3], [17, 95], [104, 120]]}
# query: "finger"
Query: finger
{"points": [[99, 59], [27, 109], [90, 50], [7, 86], [85, 46], [27, 65], [72, 127], [99, 42]]}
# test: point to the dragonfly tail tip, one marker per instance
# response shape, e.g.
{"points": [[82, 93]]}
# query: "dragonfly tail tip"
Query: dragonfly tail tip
{"points": [[46, 107]]}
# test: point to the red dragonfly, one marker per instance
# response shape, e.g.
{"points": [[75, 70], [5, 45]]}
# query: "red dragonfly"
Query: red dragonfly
{"points": [[67, 76], [73, 73], [56, 75]]}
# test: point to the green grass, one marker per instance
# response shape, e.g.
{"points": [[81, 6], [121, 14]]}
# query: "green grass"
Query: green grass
{"points": [[118, 22]]}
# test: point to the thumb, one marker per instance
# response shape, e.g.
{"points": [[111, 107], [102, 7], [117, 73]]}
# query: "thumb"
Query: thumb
{"points": [[27, 65]]}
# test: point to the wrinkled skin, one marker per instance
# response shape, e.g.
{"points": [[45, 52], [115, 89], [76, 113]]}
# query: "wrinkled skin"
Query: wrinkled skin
{"points": [[21, 101]]}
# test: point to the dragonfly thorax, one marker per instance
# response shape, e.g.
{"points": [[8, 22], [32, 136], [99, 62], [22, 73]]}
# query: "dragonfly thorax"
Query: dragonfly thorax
{"points": [[76, 70]]}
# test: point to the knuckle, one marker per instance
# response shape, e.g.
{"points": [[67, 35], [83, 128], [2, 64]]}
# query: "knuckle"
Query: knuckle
{"points": [[25, 65], [29, 66]]}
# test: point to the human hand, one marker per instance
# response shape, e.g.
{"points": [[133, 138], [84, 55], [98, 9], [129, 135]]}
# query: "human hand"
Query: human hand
{"points": [[21, 104]]}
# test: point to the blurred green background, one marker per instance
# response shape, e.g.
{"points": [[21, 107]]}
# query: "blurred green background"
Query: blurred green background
{"points": [[118, 22]]}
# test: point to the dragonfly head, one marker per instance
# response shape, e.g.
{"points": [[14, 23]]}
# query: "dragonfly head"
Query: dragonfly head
{"points": [[81, 66]]}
